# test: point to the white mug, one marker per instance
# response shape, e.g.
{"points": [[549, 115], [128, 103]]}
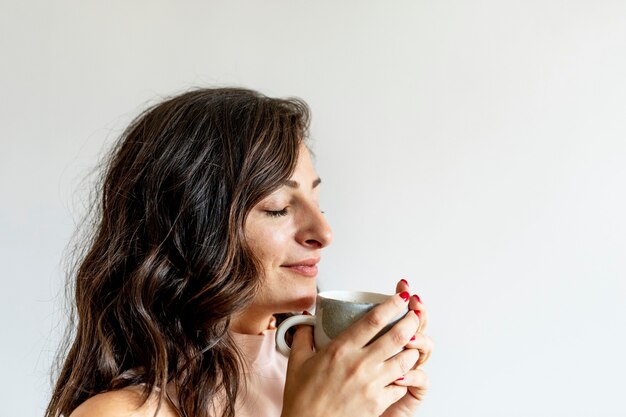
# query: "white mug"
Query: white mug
{"points": [[335, 311]]}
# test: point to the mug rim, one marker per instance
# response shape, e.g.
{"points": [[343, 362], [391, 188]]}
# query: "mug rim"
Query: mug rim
{"points": [[345, 296]]}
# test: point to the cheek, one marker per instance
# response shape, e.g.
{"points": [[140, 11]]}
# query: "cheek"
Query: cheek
{"points": [[271, 246]]}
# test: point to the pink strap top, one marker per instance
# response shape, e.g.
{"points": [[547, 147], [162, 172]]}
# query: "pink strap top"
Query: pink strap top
{"points": [[262, 395]]}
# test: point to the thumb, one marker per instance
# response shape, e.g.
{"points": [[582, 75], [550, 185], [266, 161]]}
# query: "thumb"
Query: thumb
{"points": [[302, 346]]}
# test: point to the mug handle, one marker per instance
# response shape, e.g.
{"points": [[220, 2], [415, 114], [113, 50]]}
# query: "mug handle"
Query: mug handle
{"points": [[281, 345]]}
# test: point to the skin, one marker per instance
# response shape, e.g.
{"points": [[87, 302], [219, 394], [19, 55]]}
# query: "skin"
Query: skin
{"points": [[287, 227], [346, 378], [284, 228], [126, 402], [415, 379], [349, 378]]}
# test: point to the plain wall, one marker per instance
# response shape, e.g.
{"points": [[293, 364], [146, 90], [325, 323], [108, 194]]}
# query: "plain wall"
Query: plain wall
{"points": [[477, 149]]}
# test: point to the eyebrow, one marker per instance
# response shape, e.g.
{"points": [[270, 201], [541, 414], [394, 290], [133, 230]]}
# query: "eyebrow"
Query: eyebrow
{"points": [[296, 184]]}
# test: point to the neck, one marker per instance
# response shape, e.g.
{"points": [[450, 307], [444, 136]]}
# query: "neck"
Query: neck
{"points": [[250, 322]]}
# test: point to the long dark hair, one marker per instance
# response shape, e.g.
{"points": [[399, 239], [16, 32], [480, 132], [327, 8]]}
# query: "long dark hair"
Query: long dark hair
{"points": [[167, 264]]}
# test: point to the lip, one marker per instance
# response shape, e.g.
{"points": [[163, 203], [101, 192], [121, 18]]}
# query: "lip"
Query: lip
{"points": [[306, 267]]}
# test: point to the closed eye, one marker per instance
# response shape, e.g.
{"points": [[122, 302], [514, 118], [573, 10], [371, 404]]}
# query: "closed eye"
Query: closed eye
{"points": [[276, 213]]}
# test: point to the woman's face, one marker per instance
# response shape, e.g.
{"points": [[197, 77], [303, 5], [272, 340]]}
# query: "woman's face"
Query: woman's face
{"points": [[287, 231]]}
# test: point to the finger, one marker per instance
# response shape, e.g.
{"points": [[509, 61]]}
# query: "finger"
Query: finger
{"points": [[364, 330], [415, 303], [398, 366], [423, 344], [416, 379], [395, 339], [302, 346], [419, 391], [402, 285], [392, 394]]}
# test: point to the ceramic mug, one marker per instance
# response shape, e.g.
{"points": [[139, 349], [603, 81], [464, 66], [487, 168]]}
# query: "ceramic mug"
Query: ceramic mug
{"points": [[335, 311]]}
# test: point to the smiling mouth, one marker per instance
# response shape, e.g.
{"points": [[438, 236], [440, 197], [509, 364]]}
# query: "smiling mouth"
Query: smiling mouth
{"points": [[306, 270], [305, 267]]}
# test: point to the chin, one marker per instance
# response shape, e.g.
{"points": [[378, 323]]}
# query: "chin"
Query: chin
{"points": [[306, 303], [302, 302]]}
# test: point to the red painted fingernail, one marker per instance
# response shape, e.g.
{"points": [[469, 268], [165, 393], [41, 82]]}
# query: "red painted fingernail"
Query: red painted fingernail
{"points": [[400, 379], [413, 338], [306, 313], [419, 313], [417, 297], [405, 281], [405, 296]]}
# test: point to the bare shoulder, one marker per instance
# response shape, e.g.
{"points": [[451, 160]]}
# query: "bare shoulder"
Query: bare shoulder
{"points": [[126, 402]]}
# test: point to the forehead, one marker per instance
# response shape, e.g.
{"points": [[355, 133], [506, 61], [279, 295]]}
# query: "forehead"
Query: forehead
{"points": [[304, 165], [304, 175]]}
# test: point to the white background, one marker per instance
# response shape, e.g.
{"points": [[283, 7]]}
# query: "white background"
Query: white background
{"points": [[475, 148]]}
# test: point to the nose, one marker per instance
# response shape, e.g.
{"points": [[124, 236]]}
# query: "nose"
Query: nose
{"points": [[315, 232]]}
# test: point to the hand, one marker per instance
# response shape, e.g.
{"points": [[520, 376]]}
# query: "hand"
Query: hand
{"points": [[415, 380], [348, 378]]}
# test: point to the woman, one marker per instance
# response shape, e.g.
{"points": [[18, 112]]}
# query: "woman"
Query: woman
{"points": [[207, 230]]}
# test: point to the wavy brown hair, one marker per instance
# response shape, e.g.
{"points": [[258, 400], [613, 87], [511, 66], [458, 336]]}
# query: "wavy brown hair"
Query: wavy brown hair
{"points": [[167, 265]]}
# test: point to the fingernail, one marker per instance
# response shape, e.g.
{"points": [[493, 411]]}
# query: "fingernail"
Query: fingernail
{"points": [[306, 313], [405, 296], [405, 281], [413, 338], [417, 297], [400, 379], [419, 313]]}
